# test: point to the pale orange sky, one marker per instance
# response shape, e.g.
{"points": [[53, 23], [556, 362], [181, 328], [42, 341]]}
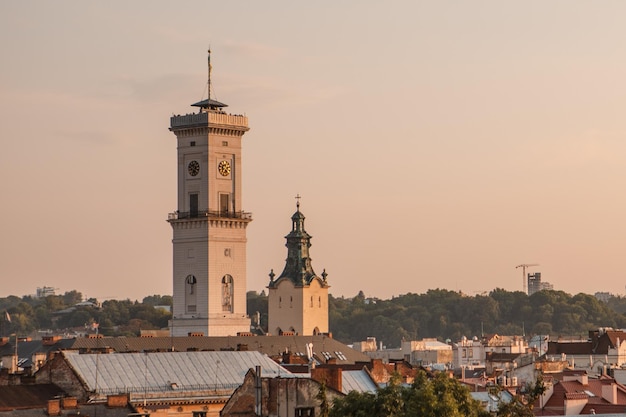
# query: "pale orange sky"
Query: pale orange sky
{"points": [[435, 144]]}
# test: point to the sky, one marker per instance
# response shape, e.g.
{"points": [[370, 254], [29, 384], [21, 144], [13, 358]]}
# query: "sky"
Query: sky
{"points": [[435, 144]]}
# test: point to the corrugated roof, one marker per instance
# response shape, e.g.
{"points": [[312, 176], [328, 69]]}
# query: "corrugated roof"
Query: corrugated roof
{"points": [[158, 371], [359, 381]]}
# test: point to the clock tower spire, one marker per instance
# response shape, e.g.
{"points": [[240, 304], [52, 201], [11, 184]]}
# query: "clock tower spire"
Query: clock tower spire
{"points": [[209, 226]]}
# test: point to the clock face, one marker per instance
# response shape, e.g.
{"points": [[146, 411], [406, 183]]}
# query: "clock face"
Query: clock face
{"points": [[224, 168], [193, 168]]}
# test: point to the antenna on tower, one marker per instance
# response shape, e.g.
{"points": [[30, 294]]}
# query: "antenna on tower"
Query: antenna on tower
{"points": [[209, 68]]}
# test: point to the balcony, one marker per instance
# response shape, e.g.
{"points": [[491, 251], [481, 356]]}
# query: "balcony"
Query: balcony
{"points": [[214, 214]]}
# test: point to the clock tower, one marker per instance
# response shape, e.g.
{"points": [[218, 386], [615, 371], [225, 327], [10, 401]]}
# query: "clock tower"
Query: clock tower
{"points": [[209, 226]]}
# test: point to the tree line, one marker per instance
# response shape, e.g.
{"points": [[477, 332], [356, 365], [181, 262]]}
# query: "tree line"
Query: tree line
{"points": [[451, 315], [69, 313], [437, 313]]}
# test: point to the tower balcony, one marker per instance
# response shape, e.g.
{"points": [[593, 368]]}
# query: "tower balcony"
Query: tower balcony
{"points": [[212, 214], [213, 117]]}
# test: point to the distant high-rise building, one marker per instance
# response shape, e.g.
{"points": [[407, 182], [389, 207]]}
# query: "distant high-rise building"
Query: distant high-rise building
{"points": [[603, 296], [298, 298], [535, 284], [209, 226], [43, 292]]}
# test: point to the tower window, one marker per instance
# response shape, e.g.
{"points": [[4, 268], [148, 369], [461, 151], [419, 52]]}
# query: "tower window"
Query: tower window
{"points": [[224, 143], [290, 301], [227, 293], [193, 205], [190, 293], [191, 283], [319, 302], [224, 204], [311, 305], [192, 143]]}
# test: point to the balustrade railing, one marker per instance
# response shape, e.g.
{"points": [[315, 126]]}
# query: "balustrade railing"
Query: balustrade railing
{"points": [[179, 215]]}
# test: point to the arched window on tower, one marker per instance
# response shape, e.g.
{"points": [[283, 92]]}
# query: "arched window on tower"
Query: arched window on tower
{"points": [[190, 293], [227, 293]]}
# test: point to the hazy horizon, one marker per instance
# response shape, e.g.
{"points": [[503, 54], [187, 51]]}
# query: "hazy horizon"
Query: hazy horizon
{"points": [[434, 144]]}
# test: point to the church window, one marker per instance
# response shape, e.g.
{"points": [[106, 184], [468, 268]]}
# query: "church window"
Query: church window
{"points": [[224, 143], [319, 302], [280, 302], [311, 301], [291, 301], [227, 293], [192, 143]]}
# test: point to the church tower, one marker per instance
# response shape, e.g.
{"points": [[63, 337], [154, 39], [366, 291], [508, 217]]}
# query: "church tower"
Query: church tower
{"points": [[209, 226], [298, 299]]}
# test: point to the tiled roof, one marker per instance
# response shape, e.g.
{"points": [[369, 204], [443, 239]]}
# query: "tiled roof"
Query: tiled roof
{"points": [[569, 348], [100, 410], [27, 396], [592, 391], [324, 347], [26, 350]]}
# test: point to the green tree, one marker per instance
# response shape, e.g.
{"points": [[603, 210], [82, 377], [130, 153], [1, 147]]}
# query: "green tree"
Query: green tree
{"points": [[323, 399], [522, 405], [440, 396]]}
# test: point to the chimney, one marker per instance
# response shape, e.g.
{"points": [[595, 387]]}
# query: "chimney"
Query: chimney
{"points": [[332, 377], [117, 401], [54, 407], [609, 392], [69, 403]]}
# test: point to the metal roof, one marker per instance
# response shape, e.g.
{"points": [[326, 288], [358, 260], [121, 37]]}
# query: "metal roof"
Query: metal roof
{"points": [[359, 381], [168, 371], [209, 103]]}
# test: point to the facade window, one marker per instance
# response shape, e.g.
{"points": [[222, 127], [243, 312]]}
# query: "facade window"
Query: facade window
{"points": [[311, 304], [305, 412], [471, 353], [464, 353], [280, 302], [227, 293], [291, 302], [192, 143], [319, 302]]}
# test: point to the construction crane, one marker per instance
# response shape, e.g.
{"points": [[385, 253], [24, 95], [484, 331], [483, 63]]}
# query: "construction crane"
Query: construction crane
{"points": [[524, 266]]}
